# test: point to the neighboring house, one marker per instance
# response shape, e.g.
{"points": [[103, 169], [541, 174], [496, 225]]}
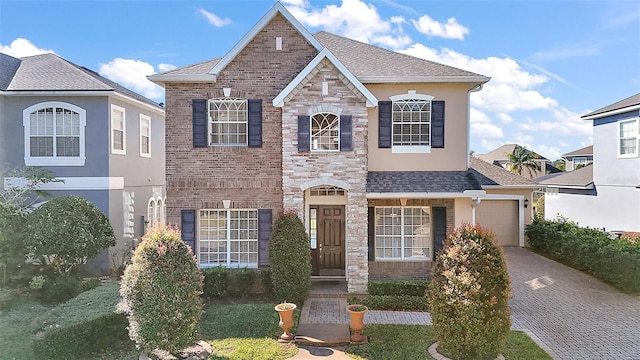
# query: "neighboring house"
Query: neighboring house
{"points": [[607, 193], [500, 156], [580, 157], [105, 141], [368, 146]]}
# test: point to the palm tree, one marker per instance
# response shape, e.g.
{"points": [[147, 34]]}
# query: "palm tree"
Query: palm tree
{"points": [[521, 159]]}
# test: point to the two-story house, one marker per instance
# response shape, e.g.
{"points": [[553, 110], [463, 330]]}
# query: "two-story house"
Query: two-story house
{"points": [[605, 194], [104, 141], [368, 146], [578, 158]]}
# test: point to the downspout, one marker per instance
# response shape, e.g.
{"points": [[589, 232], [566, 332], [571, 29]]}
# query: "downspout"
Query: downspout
{"points": [[474, 204], [473, 89]]}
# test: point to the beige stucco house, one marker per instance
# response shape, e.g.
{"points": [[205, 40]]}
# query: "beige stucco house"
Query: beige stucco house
{"points": [[368, 146]]}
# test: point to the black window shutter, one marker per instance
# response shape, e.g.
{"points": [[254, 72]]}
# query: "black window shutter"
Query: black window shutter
{"points": [[200, 132], [188, 228], [264, 235], [255, 123], [437, 124], [345, 133], [384, 124], [304, 133], [439, 229], [372, 233]]}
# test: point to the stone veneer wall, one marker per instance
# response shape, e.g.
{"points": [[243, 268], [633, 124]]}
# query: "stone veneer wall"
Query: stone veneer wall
{"points": [[201, 178], [345, 167], [415, 270]]}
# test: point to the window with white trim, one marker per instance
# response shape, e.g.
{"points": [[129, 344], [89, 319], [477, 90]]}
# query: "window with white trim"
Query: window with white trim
{"points": [[325, 132], [228, 121], [411, 120], [403, 233], [228, 237], [152, 212], [118, 130], [628, 138], [160, 211], [145, 136], [577, 161], [54, 134]]}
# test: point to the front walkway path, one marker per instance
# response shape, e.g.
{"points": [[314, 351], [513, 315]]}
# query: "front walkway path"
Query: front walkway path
{"points": [[573, 314]]}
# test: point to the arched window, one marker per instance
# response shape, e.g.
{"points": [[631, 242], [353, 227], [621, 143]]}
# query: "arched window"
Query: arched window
{"points": [[325, 132], [411, 117], [54, 134], [228, 121], [151, 213], [160, 212]]}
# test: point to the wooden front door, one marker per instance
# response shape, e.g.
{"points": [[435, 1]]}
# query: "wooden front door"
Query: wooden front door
{"points": [[331, 240]]}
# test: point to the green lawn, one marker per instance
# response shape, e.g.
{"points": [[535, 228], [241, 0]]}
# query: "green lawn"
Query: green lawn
{"points": [[248, 331]]}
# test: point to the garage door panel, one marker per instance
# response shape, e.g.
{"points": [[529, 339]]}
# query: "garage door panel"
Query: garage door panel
{"points": [[501, 216]]}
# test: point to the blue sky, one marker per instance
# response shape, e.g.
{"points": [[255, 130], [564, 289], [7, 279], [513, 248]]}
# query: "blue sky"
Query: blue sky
{"points": [[550, 61]]}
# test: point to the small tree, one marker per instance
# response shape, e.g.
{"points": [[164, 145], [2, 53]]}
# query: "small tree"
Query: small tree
{"points": [[522, 159], [290, 260], [468, 295], [67, 231], [161, 292]]}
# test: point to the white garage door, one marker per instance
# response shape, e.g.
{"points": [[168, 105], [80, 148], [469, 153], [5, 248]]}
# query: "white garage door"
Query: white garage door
{"points": [[501, 216]]}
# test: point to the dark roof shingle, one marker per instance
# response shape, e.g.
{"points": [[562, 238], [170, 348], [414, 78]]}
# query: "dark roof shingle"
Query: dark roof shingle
{"points": [[421, 182], [493, 175]]}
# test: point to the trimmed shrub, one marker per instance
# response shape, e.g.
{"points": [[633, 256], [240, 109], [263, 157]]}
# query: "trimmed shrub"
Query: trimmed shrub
{"points": [[89, 284], [290, 260], [216, 281], [66, 231], [398, 287], [82, 325], [265, 280], [468, 295], [616, 261], [241, 282], [396, 302], [60, 289], [161, 292]]}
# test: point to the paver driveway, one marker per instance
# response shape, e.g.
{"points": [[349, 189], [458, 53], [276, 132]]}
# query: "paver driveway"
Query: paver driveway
{"points": [[573, 314]]}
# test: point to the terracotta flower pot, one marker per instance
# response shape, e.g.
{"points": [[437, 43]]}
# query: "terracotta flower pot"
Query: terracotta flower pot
{"points": [[356, 315], [285, 310]]}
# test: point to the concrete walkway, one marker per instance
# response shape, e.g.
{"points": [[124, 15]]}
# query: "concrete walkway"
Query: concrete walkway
{"points": [[569, 314]]}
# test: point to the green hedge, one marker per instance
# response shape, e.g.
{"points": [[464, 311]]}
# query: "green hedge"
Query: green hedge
{"points": [[398, 287], [396, 302], [84, 324], [616, 261], [220, 282]]}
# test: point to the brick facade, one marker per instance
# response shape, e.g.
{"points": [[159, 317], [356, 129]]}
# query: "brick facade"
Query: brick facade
{"points": [[200, 178]]}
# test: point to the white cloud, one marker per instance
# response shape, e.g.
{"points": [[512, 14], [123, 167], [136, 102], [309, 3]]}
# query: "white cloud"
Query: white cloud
{"points": [[431, 27], [354, 19], [486, 130], [505, 118], [477, 116], [22, 47], [132, 75], [165, 67], [214, 19]]}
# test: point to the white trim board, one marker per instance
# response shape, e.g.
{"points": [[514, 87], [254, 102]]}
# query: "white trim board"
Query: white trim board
{"points": [[73, 183]]}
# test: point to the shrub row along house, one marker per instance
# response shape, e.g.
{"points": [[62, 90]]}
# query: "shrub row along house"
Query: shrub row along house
{"points": [[369, 147], [104, 141]]}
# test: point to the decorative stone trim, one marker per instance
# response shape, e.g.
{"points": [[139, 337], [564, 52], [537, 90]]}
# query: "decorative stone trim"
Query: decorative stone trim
{"points": [[325, 180]]}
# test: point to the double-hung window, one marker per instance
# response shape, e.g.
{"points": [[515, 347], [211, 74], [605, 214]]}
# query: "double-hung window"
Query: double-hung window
{"points": [[228, 119], [628, 138], [325, 132], [118, 130], [145, 136], [54, 134], [403, 233], [228, 238], [411, 123]]}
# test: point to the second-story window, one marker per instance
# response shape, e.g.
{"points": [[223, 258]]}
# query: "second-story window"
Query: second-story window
{"points": [[145, 136], [325, 132], [411, 119], [118, 127], [628, 140], [228, 121]]}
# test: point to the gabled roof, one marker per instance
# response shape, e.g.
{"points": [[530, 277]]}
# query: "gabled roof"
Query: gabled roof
{"points": [[49, 72], [587, 150], [500, 153], [276, 9], [299, 80], [192, 73], [372, 64], [421, 182], [629, 104], [580, 178], [8, 67], [490, 175]]}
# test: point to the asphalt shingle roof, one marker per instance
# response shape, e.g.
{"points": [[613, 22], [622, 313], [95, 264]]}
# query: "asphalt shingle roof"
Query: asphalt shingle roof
{"points": [[421, 181], [8, 67], [630, 101], [588, 150], [49, 72], [492, 175], [579, 177], [201, 68]]}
